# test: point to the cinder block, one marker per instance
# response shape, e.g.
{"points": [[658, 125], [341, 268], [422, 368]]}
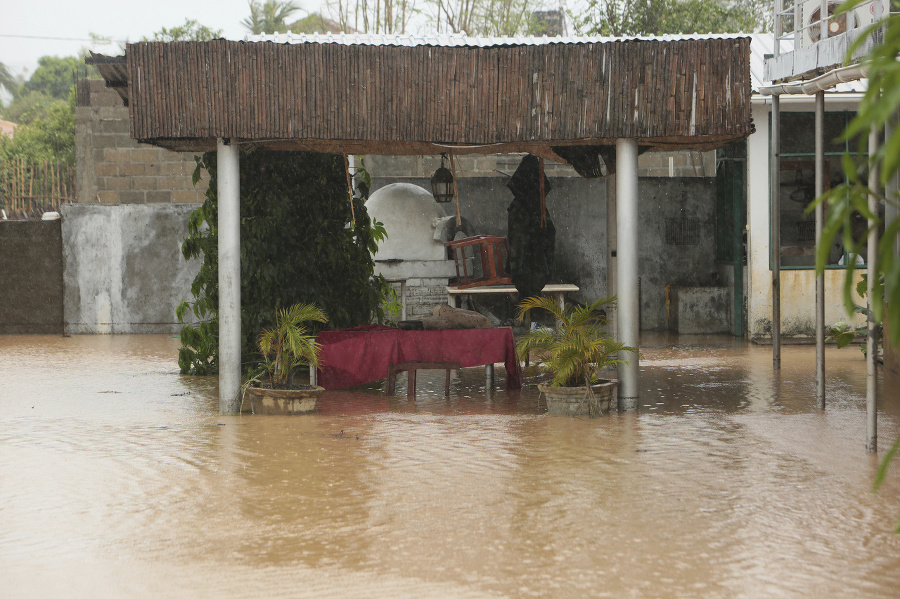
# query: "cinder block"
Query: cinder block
{"points": [[107, 169], [117, 155], [184, 196], [678, 159], [146, 183], [131, 169], [170, 167], [158, 197], [151, 169], [649, 160], [146, 154], [108, 197], [114, 183], [173, 182], [104, 141], [113, 113], [132, 197], [114, 126]]}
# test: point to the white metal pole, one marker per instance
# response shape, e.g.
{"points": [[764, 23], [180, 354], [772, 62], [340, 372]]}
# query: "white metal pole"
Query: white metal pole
{"points": [[775, 217], [820, 278], [871, 336], [627, 258], [229, 223]]}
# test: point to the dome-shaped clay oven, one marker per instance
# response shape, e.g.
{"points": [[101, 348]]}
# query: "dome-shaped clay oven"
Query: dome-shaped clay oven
{"points": [[408, 213]]}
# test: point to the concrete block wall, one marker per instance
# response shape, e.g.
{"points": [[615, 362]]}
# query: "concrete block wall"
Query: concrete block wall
{"points": [[650, 164], [31, 277], [123, 268], [578, 209], [423, 294], [112, 168]]}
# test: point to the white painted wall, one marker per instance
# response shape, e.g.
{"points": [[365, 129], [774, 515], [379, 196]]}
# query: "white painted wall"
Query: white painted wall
{"points": [[798, 294]]}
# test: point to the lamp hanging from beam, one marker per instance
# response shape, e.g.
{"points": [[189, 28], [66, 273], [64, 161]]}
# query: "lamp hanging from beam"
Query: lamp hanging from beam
{"points": [[442, 183]]}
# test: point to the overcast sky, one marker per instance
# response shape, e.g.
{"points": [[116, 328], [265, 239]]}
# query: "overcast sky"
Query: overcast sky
{"points": [[24, 21]]}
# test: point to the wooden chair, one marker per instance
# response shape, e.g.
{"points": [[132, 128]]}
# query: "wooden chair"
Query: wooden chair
{"points": [[491, 251]]}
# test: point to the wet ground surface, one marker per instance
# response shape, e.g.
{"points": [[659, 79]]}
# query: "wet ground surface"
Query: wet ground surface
{"points": [[119, 478]]}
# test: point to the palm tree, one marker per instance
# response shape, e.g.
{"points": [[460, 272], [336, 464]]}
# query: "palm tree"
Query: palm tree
{"points": [[290, 344], [269, 16], [577, 348], [7, 80]]}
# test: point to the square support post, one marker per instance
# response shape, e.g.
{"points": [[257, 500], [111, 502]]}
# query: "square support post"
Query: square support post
{"points": [[627, 257], [229, 223]]}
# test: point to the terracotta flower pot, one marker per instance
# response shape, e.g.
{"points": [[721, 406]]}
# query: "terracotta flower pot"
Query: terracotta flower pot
{"points": [[283, 401], [571, 401]]}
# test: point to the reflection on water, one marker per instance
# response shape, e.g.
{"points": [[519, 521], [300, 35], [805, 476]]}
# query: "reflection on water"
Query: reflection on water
{"points": [[118, 478]]}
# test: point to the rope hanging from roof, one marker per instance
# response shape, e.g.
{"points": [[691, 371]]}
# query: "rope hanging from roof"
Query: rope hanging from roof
{"points": [[455, 189], [543, 196], [349, 188]]}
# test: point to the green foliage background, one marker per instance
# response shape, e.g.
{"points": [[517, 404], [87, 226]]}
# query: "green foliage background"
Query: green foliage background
{"points": [[299, 244]]}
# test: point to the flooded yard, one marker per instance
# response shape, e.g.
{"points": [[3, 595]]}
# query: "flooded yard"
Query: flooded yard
{"points": [[118, 478]]}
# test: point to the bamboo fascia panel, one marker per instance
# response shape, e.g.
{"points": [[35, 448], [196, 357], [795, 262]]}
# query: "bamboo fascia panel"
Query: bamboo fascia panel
{"points": [[371, 98]]}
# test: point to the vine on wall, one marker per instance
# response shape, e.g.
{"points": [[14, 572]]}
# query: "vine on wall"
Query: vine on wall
{"points": [[299, 244]]}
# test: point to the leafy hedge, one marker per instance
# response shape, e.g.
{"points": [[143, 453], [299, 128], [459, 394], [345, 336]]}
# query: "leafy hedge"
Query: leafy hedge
{"points": [[299, 244]]}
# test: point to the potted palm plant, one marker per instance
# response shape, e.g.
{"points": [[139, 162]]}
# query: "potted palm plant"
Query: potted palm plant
{"points": [[284, 347], [575, 352]]}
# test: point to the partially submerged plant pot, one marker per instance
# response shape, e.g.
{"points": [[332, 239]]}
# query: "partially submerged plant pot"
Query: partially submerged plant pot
{"points": [[574, 401], [282, 402]]}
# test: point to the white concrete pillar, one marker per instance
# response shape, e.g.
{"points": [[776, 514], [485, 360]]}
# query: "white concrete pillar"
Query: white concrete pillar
{"points": [[627, 275], [229, 223], [611, 265]]}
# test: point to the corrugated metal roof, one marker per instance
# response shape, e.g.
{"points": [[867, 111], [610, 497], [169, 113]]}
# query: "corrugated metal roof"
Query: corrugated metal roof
{"points": [[460, 40], [761, 45]]}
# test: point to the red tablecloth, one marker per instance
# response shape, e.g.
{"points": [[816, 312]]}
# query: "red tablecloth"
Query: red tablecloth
{"points": [[351, 357]]}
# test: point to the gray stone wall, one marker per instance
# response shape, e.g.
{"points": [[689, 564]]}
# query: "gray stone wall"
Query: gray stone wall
{"points": [[423, 294], [31, 276], [112, 168], [677, 233], [679, 164], [123, 268]]}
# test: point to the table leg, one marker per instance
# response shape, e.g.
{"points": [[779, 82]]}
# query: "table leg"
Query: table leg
{"points": [[411, 384], [489, 376]]}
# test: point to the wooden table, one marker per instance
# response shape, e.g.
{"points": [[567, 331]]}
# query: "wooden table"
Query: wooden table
{"points": [[351, 357], [556, 289]]}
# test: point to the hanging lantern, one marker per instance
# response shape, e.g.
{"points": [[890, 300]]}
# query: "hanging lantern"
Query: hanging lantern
{"points": [[442, 183]]}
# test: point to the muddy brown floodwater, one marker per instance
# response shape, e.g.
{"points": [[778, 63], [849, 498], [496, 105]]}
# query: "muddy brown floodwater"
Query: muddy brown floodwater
{"points": [[118, 478]]}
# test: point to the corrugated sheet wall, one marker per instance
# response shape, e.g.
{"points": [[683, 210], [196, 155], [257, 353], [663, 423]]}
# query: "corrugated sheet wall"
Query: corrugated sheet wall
{"points": [[644, 89]]}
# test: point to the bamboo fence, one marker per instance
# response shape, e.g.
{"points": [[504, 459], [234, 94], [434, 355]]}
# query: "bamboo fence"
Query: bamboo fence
{"points": [[30, 188]]}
